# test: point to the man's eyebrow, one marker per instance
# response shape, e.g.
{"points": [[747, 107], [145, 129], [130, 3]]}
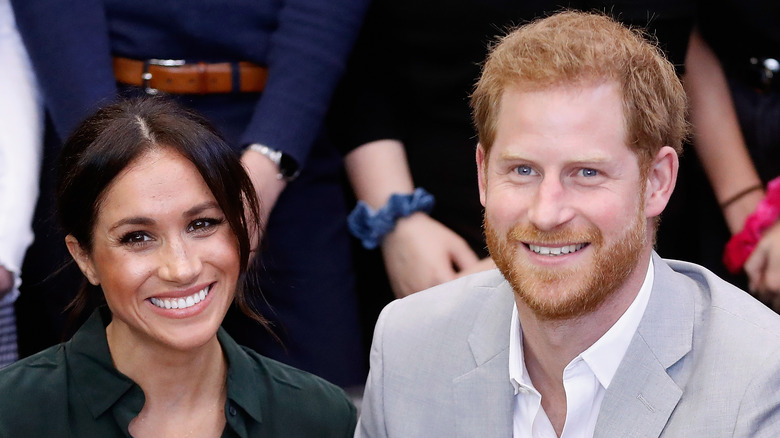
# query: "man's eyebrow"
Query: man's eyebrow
{"points": [[583, 158]]}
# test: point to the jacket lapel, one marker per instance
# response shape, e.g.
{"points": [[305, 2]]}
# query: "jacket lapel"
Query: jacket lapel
{"points": [[642, 395], [484, 395]]}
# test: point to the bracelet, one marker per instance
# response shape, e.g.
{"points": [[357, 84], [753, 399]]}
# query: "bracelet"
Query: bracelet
{"points": [[371, 226], [738, 196], [742, 244]]}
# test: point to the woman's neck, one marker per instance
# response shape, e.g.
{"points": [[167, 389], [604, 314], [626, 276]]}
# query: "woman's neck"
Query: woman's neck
{"points": [[184, 390]]}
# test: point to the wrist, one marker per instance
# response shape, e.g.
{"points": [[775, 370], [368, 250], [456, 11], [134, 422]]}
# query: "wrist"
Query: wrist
{"points": [[371, 226], [743, 243], [287, 168], [736, 213]]}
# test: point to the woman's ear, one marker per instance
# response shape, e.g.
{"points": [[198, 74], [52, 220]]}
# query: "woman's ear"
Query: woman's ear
{"points": [[82, 259], [661, 179]]}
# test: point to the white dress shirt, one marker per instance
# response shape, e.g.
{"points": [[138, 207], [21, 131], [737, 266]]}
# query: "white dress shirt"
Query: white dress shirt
{"points": [[21, 132], [21, 144], [585, 379]]}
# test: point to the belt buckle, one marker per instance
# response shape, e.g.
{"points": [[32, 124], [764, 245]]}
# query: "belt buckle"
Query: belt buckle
{"points": [[147, 75]]}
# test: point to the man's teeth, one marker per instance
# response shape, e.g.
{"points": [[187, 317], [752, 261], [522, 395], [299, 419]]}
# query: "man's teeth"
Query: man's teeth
{"points": [[181, 303], [556, 251]]}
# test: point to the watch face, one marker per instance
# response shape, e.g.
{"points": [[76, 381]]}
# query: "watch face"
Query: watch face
{"points": [[288, 167]]}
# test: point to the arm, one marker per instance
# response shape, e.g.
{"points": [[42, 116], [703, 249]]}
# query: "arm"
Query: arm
{"points": [[759, 408], [420, 252], [20, 150], [717, 137], [307, 56], [371, 423], [719, 144], [69, 49]]}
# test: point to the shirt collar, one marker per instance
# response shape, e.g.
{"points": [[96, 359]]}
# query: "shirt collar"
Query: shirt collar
{"points": [[603, 357], [243, 385], [103, 386], [92, 368]]}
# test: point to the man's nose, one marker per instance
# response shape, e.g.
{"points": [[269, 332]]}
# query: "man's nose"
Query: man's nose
{"points": [[549, 206], [178, 262]]}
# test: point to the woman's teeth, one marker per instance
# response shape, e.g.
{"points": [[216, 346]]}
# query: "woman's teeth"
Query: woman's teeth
{"points": [[181, 303], [556, 251]]}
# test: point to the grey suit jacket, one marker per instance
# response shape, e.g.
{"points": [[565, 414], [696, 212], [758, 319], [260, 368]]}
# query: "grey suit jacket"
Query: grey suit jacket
{"points": [[705, 362]]}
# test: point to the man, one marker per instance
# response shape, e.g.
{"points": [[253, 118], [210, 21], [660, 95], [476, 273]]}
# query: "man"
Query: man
{"points": [[583, 331]]}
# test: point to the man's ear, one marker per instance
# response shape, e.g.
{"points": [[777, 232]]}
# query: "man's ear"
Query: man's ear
{"points": [[481, 173], [661, 179], [82, 259]]}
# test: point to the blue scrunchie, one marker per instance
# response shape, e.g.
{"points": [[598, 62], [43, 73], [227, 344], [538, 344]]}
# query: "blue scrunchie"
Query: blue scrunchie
{"points": [[371, 226]]}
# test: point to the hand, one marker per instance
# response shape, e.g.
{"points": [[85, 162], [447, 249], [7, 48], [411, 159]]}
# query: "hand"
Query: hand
{"points": [[6, 281], [421, 252], [264, 175], [763, 268], [485, 264]]}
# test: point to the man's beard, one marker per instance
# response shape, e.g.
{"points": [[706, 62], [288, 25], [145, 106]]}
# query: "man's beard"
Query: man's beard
{"points": [[559, 293]]}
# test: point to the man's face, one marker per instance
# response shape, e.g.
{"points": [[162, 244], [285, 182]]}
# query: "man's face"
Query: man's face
{"points": [[565, 215]]}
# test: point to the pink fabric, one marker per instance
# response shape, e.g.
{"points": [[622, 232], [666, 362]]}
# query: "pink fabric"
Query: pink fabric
{"points": [[742, 244]]}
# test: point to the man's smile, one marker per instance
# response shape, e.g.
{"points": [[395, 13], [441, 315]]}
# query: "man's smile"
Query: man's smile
{"points": [[556, 250]]}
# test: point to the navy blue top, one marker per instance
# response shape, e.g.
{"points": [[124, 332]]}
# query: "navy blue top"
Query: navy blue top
{"points": [[303, 42]]}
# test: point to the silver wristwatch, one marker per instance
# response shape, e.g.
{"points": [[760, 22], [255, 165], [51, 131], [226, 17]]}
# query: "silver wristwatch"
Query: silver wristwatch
{"points": [[288, 167]]}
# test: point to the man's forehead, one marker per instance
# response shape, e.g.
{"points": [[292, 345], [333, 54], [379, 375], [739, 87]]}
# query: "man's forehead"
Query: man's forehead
{"points": [[534, 121]]}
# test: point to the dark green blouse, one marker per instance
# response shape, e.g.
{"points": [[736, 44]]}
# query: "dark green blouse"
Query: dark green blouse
{"points": [[73, 390]]}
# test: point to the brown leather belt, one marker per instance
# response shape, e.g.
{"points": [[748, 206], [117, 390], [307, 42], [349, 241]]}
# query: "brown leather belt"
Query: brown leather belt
{"points": [[178, 77]]}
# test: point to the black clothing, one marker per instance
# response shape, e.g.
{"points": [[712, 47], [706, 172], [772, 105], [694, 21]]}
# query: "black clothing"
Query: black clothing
{"points": [[74, 390]]}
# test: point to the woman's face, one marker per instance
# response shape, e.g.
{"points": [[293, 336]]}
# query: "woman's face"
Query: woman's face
{"points": [[163, 253]]}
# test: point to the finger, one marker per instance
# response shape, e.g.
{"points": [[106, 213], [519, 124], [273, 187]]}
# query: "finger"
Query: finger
{"points": [[463, 257], [754, 268]]}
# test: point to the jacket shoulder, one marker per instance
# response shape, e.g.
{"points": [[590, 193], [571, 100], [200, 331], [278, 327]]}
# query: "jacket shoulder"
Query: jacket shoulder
{"points": [[456, 299], [728, 305]]}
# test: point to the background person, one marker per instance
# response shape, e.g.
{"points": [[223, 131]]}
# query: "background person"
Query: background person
{"points": [[21, 130], [733, 72], [158, 212]]}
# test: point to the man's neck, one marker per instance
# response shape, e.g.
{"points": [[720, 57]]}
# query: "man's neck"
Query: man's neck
{"points": [[550, 345]]}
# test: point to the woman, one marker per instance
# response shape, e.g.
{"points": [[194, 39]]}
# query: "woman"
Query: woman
{"points": [[274, 64], [159, 216]]}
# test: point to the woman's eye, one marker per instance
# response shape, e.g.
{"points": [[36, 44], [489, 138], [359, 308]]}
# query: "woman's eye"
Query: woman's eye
{"points": [[203, 224], [135, 238], [589, 172], [524, 170]]}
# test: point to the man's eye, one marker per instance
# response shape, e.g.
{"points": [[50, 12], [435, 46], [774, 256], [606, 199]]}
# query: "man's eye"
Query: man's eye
{"points": [[589, 172], [524, 170]]}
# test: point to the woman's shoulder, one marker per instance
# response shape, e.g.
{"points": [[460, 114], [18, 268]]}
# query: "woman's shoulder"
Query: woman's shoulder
{"points": [[284, 378], [291, 397], [34, 374], [34, 388]]}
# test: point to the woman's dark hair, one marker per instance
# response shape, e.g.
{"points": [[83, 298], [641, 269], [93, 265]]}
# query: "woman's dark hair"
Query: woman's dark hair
{"points": [[117, 134]]}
